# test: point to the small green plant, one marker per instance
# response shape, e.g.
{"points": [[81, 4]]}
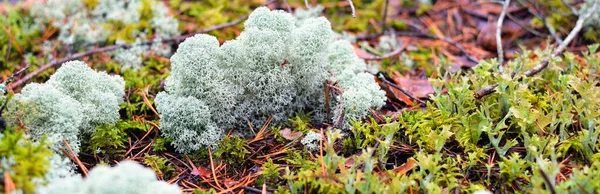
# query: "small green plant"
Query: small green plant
{"points": [[160, 165], [109, 139], [269, 175], [232, 150], [23, 160]]}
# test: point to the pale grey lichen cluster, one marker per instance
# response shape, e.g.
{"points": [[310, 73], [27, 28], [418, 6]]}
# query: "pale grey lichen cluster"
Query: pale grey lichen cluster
{"points": [[311, 141], [127, 177], [82, 26], [594, 19], [276, 67], [75, 100]]}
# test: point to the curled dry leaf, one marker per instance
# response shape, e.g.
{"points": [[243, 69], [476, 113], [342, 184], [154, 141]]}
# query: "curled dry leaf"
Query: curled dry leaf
{"points": [[287, 134], [419, 88], [409, 165]]}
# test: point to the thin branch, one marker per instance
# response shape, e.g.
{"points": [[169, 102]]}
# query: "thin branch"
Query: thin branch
{"points": [[529, 29], [559, 50], [499, 36], [381, 77], [75, 56], [563, 46], [388, 55], [546, 23], [547, 180], [287, 6], [423, 33], [385, 13], [252, 189], [352, 7], [306, 3]]}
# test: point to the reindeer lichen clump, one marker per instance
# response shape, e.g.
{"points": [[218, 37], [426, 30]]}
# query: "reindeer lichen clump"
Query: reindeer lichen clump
{"points": [[277, 67]]}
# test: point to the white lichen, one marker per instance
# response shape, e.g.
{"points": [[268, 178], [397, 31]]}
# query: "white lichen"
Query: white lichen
{"points": [[311, 141], [127, 177], [275, 68]]}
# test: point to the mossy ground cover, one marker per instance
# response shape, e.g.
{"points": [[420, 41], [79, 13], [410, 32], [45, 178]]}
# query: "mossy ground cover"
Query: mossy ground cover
{"points": [[533, 134]]}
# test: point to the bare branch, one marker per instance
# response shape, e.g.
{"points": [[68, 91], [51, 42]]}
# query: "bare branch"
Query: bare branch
{"points": [[287, 6], [559, 50], [524, 26], [388, 82], [352, 7], [388, 55], [385, 10], [499, 36]]}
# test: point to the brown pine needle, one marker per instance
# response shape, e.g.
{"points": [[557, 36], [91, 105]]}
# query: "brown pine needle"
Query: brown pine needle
{"points": [[147, 102], [212, 168], [73, 156]]}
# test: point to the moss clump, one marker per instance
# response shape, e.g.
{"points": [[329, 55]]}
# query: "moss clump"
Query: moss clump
{"points": [[25, 162]]}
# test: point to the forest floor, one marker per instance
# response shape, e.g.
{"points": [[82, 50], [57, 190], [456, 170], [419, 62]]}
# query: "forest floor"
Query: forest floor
{"points": [[424, 54]]}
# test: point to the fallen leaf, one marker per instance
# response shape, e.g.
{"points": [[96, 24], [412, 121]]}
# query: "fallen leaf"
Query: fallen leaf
{"points": [[287, 134], [349, 162], [419, 88], [198, 171], [9, 185], [201, 171], [363, 54], [404, 168]]}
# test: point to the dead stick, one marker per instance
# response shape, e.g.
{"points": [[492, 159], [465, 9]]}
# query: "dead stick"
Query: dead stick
{"points": [[353, 9], [559, 50], [499, 36]]}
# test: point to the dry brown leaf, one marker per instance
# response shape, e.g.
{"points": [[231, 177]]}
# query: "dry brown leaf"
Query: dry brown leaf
{"points": [[419, 88], [287, 134], [404, 168], [201, 171], [349, 162], [9, 185]]}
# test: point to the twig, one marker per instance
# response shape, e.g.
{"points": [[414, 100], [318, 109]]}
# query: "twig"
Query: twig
{"points": [[547, 180], [388, 55], [175, 39], [559, 50], [385, 13], [2, 91], [287, 6], [388, 82], [563, 46], [499, 36], [252, 189], [73, 156], [546, 23], [518, 22], [352, 7], [212, 168], [306, 3]]}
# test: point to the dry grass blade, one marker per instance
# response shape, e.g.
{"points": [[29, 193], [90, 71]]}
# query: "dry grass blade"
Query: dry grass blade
{"points": [[140, 140], [73, 156], [212, 168], [13, 40], [147, 102]]}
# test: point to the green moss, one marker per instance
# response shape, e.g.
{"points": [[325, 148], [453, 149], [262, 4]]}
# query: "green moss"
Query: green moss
{"points": [[24, 160], [269, 174], [160, 165], [232, 150], [109, 139]]}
